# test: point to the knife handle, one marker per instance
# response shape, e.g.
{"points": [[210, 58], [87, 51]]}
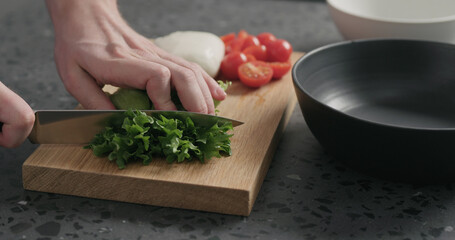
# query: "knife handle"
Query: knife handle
{"points": [[1, 126]]}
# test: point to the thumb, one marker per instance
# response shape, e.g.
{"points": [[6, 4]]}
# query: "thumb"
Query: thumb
{"points": [[85, 89]]}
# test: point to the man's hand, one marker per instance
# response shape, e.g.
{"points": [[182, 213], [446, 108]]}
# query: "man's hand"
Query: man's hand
{"points": [[17, 118], [94, 46]]}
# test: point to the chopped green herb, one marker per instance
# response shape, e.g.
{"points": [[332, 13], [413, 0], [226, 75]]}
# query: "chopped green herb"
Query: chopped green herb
{"points": [[141, 138]]}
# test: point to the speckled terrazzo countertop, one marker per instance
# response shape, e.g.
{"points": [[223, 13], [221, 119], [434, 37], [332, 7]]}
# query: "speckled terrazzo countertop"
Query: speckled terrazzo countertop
{"points": [[306, 194]]}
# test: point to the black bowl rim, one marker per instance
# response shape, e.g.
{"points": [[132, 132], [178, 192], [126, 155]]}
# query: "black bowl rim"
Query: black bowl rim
{"points": [[327, 47]]}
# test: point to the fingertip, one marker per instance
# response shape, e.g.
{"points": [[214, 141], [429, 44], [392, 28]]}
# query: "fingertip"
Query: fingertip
{"points": [[108, 105], [198, 106], [212, 112], [211, 108], [166, 106], [220, 94], [215, 89]]}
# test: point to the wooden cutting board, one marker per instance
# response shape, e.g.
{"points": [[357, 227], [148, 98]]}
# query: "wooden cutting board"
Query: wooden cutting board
{"points": [[226, 185]]}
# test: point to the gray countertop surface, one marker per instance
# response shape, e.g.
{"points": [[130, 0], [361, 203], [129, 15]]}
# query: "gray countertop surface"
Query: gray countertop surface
{"points": [[306, 193]]}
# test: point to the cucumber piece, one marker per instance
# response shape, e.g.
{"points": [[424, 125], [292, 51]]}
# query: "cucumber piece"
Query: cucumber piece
{"points": [[125, 99]]}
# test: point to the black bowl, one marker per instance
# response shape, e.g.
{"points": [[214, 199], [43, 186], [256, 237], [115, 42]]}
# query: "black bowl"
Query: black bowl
{"points": [[385, 107]]}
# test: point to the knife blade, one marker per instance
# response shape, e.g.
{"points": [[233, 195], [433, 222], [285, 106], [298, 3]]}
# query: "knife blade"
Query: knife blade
{"points": [[81, 126]]}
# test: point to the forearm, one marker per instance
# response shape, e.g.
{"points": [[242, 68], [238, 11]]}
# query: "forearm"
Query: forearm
{"points": [[62, 8], [84, 16]]}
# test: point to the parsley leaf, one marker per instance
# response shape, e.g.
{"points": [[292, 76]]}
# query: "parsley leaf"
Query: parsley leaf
{"points": [[140, 137]]}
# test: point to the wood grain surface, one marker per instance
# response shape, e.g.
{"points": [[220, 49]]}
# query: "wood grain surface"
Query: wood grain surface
{"points": [[224, 185]]}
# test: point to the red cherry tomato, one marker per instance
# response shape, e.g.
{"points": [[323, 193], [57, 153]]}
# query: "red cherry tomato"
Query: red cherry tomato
{"points": [[231, 63], [265, 38], [235, 45], [279, 68], [242, 34], [255, 73], [279, 51], [228, 38], [259, 52], [250, 41], [250, 58]]}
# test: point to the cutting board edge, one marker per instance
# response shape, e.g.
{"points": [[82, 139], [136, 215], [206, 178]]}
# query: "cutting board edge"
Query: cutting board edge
{"points": [[27, 165], [287, 113], [198, 197]]}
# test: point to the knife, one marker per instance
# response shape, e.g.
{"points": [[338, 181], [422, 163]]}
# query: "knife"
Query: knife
{"points": [[81, 126]]}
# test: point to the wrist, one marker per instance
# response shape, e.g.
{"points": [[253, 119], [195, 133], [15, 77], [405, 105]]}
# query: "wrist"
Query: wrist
{"points": [[64, 12]]}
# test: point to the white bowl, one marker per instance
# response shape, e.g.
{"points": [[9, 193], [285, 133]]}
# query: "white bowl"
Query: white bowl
{"points": [[432, 20]]}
